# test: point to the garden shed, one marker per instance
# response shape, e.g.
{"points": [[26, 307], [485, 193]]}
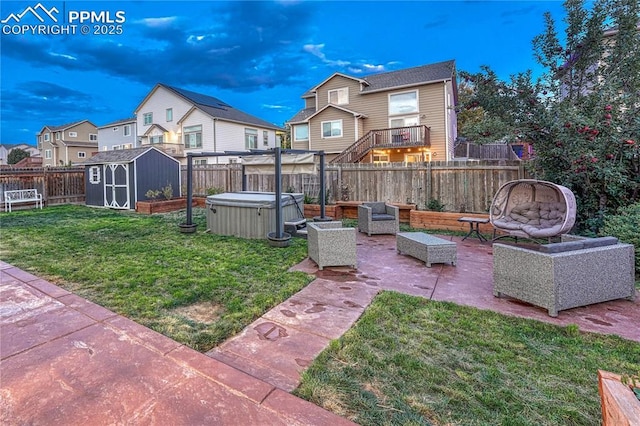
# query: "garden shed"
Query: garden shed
{"points": [[118, 179]]}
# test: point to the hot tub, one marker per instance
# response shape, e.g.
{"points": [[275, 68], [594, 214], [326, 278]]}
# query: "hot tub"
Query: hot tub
{"points": [[250, 214]]}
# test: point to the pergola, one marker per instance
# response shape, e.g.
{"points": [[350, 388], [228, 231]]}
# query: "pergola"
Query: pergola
{"points": [[277, 154]]}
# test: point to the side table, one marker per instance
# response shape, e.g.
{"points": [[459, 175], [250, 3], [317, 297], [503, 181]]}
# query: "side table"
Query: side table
{"points": [[474, 226]]}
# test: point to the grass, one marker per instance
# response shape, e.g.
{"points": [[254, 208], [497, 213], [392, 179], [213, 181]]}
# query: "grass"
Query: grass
{"points": [[410, 361], [198, 289]]}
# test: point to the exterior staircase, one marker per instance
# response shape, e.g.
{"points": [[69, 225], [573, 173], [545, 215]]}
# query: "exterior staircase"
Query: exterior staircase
{"points": [[397, 137]]}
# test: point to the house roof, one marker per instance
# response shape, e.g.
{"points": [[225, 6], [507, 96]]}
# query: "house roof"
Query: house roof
{"points": [[215, 107], [64, 126], [302, 115], [118, 122], [332, 106], [153, 126], [121, 155]]}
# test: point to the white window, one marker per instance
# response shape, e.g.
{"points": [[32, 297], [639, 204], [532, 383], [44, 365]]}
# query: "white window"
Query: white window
{"points": [[105, 148], [380, 158], [301, 132], [403, 103], [73, 134], [57, 136], [93, 137], [156, 139], [200, 162], [250, 138], [169, 114], [82, 154], [193, 136], [126, 130], [265, 138], [116, 147], [94, 174], [332, 129], [339, 96], [148, 118], [233, 160], [47, 154], [46, 137], [127, 146]]}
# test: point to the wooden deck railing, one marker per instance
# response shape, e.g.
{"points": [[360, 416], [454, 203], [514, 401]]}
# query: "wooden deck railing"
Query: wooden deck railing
{"points": [[398, 137]]}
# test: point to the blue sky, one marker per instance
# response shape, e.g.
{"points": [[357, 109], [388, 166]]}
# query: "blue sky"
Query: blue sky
{"points": [[258, 56]]}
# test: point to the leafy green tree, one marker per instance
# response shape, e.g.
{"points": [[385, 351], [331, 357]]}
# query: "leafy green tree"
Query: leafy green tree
{"points": [[583, 114], [16, 155]]}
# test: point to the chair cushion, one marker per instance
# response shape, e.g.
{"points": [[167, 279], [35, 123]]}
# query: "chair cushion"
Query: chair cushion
{"points": [[375, 217], [377, 208]]}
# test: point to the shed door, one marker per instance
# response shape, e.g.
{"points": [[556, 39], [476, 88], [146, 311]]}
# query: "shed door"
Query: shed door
{"points": [[116, 186]]}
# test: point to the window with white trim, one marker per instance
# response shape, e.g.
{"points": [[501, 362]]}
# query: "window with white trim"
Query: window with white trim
{"points": [[339, 96], [199, 161], [57, 136], [116, 147], [94, 174], [169, 114], [403, 103], [250, 138], [82, 154], [93, 137], [73, 134], [156, 139], [46, 137], [265, 138], [380, 158], [332, 129], [301, 132], [126, 130], [47, 154], [192, 136], [127, 146], [147, 118], [105, 148]]}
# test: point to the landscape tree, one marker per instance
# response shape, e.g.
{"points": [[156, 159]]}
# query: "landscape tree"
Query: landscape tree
{"points": [[17, 154], [582, 115]]}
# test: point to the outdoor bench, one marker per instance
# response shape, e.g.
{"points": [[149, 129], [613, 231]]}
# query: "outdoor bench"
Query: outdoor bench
{"points": [[21, 196], [576, 272]]}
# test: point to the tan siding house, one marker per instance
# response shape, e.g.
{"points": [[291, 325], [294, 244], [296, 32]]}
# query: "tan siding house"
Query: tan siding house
{"points": [[400, 116], [67, 144]]}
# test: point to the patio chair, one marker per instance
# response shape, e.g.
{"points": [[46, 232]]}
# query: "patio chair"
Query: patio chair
{"points": [[378, 218], [532, 209], [329, 244]]}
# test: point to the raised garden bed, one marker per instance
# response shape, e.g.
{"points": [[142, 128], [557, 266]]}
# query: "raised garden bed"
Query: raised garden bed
{"points": [[162, 206], [445, 220], [620, 407], [313, 210]]}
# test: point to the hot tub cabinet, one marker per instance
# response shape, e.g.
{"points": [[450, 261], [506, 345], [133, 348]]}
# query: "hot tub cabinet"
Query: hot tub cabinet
{"points": [[250, 214]]}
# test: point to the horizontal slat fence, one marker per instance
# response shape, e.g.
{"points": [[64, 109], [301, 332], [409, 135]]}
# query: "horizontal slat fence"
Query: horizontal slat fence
{"points": [[57, 185], [461, 186]]}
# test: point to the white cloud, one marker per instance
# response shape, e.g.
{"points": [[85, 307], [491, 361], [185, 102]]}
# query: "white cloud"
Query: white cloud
{"points": [[62, 55], [316, 50], [158, 22]]}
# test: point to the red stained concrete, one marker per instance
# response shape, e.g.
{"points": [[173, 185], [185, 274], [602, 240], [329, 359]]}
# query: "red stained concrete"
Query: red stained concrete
{"points": [[68, 361]]}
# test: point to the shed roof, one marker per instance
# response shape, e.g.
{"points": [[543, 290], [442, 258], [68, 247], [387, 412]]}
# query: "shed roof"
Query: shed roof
{"points": [[122, 155]]}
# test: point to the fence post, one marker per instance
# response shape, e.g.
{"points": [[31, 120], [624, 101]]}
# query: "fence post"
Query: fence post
{"points": [[45, 186]]}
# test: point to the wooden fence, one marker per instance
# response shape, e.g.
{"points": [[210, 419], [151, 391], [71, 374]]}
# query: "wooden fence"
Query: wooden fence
{"points": [[58, 185], [461, 186]]}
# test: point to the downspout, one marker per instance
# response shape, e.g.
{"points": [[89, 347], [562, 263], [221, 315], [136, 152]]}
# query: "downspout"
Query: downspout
{"points": [[215, 147], [446, 122]]}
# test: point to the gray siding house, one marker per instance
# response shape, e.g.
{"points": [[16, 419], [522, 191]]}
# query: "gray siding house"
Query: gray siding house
{"points": [[118, 179], [119, 134]]}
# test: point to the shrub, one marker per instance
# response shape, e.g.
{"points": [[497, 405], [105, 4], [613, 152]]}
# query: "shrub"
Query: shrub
{"points": [[624, 225], [434, 205]]}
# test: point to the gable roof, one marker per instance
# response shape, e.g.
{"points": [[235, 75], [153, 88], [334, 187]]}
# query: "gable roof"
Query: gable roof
{"points": [[122, 155], [118, 122], [408, 77], [64, 126], [155, 126], [214, 107], [332, 106]]}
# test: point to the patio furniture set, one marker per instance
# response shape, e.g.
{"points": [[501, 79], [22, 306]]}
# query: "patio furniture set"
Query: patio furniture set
{"points": [[577, 271]]}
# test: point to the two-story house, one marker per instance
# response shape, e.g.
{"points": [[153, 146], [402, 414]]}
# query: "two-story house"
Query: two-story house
{"points": [[400, 116], [67, 144], [5, 150], [120, 134], [180, 121]]}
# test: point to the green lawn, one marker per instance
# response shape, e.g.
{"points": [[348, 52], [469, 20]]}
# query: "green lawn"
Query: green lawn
{"points": [[410, 361], [407, 361], [198, 289]]}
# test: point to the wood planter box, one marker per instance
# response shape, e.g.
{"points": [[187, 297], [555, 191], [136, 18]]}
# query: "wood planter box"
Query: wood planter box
{"points": [[446, 221], [162, 206], [350, 209], [313, 210], [620, 407]]}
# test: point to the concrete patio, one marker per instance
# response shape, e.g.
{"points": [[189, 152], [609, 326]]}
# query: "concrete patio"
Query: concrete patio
{"points": [[68, 361]]}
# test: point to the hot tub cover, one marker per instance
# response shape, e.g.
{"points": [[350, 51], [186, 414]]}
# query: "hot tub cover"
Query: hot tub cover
{"points": [[253, 199]]}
